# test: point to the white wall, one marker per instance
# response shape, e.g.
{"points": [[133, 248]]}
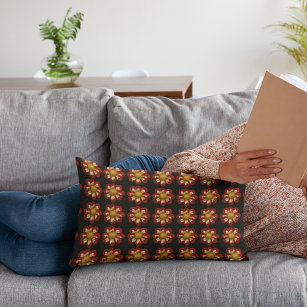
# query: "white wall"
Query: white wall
{"points": [[221, 43]]}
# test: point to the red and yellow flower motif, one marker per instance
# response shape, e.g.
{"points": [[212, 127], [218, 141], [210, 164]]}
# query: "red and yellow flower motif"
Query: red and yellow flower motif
{"points": [[231, 236], [113, 173], [112, 236], [138, 215], [90, 168], [209, 196], [211, 254], [138, 195], [186, 179], [92, 212], [137, 254], [163, 235], [230, 215], [208, 181], [208, 216], [186, 235], [138, 236], [163, 178], [186, 197], [186, 216], [86, 257], [113, 214], [138, 176], [208, 236], [89, 236], [231, 196], [113, 192], [234, 254], [163, 253], [163, 196], [92, 188], [187, 253], [111, 255], [163, 216]]}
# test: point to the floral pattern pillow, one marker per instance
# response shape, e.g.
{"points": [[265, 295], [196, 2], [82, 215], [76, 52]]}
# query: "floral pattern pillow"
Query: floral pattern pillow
{"points": [[137, 215]]}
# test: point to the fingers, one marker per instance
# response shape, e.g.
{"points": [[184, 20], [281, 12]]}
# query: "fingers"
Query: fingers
{"points": [[262, 162], [253, 165], [262, 171], [255, 154]]}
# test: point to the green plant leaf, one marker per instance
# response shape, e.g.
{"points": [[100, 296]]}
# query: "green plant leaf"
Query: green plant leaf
{"points": [[70, 26], [48, 30], [294, 31]]}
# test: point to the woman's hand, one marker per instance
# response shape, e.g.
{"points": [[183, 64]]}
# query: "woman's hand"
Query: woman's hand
{"points": [[249, 166]]}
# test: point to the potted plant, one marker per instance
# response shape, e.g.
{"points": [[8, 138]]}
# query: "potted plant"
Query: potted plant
{"points": [[62, 67], [295, 32]]}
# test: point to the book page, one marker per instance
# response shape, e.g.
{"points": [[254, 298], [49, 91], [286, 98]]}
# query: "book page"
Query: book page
{"points": [[296, 81]]}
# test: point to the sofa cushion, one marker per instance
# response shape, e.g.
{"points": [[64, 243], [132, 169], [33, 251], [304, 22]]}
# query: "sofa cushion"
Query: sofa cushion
{"points": [[24, 291], [162, 126], [268, 279], [43, 132], [153, 215]]}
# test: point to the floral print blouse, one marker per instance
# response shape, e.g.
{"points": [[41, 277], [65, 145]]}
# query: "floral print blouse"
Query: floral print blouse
{"points": [[275, 213]]}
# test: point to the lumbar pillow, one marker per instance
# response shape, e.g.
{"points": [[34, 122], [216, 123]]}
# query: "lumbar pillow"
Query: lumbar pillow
{"points": [[137, 215]]}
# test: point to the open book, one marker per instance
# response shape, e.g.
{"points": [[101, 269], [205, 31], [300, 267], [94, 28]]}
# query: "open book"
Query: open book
{"points": [[279, 121]]}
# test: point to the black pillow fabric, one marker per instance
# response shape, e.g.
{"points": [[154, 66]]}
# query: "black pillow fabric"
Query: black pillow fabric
{"points": [[137, 215]]}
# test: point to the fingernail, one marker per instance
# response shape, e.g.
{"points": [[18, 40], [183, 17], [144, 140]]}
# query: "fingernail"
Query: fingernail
{"points": [[276, 160], [271, 152], [272, 175], [276, 170]]}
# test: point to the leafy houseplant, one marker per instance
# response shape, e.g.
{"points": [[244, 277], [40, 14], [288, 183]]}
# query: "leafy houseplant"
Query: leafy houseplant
{"points": [[62, 66], [295, 31]]}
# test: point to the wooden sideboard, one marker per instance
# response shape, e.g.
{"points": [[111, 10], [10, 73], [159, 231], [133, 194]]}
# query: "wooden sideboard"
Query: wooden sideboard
{"points": [[172, 87]]}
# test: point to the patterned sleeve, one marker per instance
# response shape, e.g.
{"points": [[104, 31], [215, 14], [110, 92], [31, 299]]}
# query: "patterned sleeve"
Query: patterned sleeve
{"points": [[205, 159]]}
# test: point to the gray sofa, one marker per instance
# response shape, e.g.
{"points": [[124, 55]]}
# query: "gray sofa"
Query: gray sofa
{"points": [[42, 132]]}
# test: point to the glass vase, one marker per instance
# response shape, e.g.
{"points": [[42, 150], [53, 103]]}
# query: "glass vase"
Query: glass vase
{"points": [[62, 69]]}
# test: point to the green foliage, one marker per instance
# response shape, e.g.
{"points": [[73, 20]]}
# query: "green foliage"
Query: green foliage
{"points": [[70, 26], [295, 31], [60, 37]]}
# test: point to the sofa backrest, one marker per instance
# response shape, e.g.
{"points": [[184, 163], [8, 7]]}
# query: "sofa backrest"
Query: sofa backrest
{"points": [[162, 126], [41, 133]]}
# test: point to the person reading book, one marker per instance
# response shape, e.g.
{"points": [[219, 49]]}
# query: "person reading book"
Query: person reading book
{"points": [[275, 213], [37, 232]]}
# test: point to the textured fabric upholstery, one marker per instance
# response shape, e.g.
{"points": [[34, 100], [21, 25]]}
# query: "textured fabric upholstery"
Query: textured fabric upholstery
{"points": [[268, 279], [162, 126], [21, 291], [42, 133]]}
